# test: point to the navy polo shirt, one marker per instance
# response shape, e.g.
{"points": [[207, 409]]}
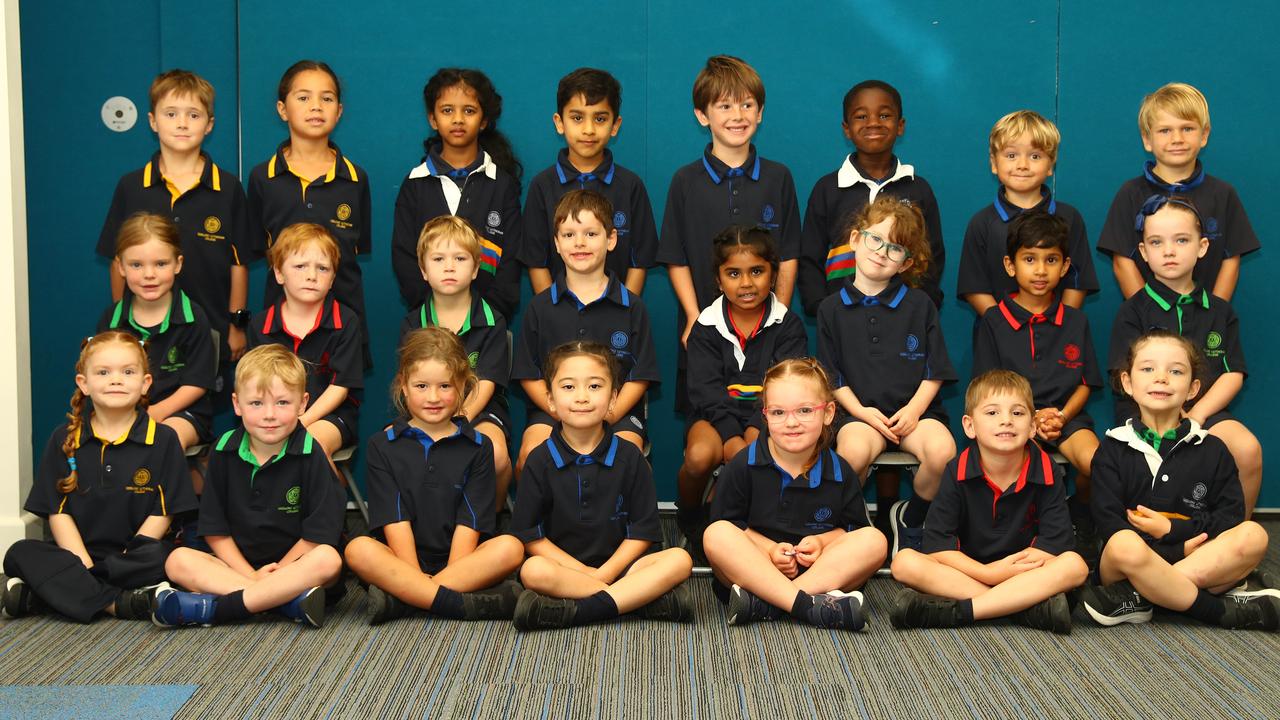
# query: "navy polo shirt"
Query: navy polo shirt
{"points": [[727, 363], [1225, 222], [488, 199], [212, 227], [266, 509], [180, 349], [330, 351], [435, 486], [120, 483], [754, 492], [1206, 320], [986, 242], [973, 515], [706, 196], [837, 197], [1192, 479], [337, 201], [617, 319], [883, 346], [1053, 350], [632, 215], [586, 504]]}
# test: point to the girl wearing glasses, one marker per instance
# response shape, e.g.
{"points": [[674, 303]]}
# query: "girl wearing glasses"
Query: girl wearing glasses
{"points": [[739, 336], [880, 338], [790, 533]]}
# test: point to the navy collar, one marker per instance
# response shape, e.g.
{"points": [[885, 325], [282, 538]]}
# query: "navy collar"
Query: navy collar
{"points": [[826, 469], [437, 165], [890, 297], [1182, 186], [567, 173], [561, 454], [615, 291], [1017, 316], [401, 428], [1036, 468], [719, 171], [1007, 212]]}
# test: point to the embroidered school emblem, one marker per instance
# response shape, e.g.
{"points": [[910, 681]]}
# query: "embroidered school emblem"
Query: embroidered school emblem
{"points": [[1214, 341], [618, 340], [619, 219], [913, 343], [767, 213], [344, 211], [473, 358], [294, 495], [1199, 491], [493, 219], [823, 514], [172, 355], [1071, 352], [212, 224], [141, 477]]}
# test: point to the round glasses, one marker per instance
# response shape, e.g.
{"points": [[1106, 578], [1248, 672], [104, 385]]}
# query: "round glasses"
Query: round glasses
{"points": [[893, 251], [804, 414]]}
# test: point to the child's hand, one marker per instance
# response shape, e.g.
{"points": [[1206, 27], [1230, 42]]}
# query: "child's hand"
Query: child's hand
{"points": [[265, 570], [904, 421], [1191, 545], [1152, 523], [808, 550], [783, 556], [688, 328], [235, 341], [876, 420], [1015, 564], [1049, 422]]}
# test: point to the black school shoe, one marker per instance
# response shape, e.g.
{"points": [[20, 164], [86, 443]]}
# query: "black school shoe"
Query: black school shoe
{"points": [[381, 606], [140, 603], [307, 608], [1252, 611], [538, 612], [1053, 615], [746, 608], [837, 610], [19, 600], [1110, 605], [912, 609], [675, 605], [495, 603]]}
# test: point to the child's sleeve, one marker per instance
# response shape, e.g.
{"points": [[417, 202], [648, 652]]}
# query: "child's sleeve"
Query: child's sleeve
{"points": [[937, 364], [932, 285], [492, 363], [385, 502], [1081, 275], [732, 501], [1054, 533], [942, 524], [812, 278], [1107, 502], [789, 232], [646, 358], [986, 350], [200, 353], [1238, 236], [406, 227], [44, 499], [116, 214], [853, 511], [238, 227], [174, 494], [974, 276], [641, 502], [708, 393], [504, 291], [1119, 232], [793, 339], [644, 235], [1126, 328], [213, 514], [1091, 374], [347, 358], [535, 250], [829, 344], [257, 230], [526, 361], [671, 250], [479, 492], [324, 501], [1224, 500], [1233, 359], [533, 503], [364, 245]]}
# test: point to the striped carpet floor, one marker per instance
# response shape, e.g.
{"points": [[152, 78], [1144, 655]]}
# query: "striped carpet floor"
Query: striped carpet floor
{"points": [[432, 668]]}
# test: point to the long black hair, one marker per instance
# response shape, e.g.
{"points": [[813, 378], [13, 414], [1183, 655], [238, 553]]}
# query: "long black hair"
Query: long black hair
{"points": [[491, 139]]}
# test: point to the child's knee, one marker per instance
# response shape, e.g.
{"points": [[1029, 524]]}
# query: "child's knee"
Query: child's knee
{"points": [[508, 549], [327, 561], [1073, 569], [180, 562], [358, 550], [632, 438], [718, 533], [1251, 540], [537, 573], [1126, 550], [701, 458], [677, 561], [908, 566]]}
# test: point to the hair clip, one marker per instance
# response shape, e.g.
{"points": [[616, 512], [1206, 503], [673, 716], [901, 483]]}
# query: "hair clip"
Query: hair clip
{"points": [[72, 462], [1155, 202]]}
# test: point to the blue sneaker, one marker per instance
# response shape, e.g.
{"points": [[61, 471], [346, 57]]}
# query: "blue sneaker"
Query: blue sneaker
{"points": [[903, 535], [307, 607], [175, 608]]}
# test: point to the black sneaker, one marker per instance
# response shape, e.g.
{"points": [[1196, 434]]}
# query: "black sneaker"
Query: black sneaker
{"points": [[746, 608], [674, 605], [1257, 581], [904, 536], [382, 606], [496, 603], [19, 600], [1116, 603], [1053, 615], [140, 603], [692, 522], [307, 608], [837, 610], [1256, 611], [535, 612], [917, 610]]}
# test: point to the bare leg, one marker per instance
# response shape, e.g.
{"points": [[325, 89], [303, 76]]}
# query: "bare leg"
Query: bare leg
{"points": [[501, 460], [921, 572], [702, 452], [1064, 572], [377, 565], [859, 445], [737, 560], [1078, 450], [1247, 451], [534, 435], [846, 563], [933, 446], [202, 572]]}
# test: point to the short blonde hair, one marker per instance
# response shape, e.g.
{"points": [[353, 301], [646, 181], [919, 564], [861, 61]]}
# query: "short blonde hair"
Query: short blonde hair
{"points": [[179, 83], [264, 363], [998, 382], [297, 237], [1180, 100], [443, 229], [726, 76], [1044, 134]]}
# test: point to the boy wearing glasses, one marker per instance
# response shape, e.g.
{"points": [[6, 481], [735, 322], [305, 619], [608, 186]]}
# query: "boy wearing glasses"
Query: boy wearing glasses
{"points": [[880, 339], [1024, 148]]}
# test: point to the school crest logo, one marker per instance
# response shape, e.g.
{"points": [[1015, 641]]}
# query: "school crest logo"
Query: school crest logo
{"points": [[1199, 491], [619, 219], [913, 343], [212, 224], [493, 219], [618, 512], [472, 359], [823, 514], [344, 212], [1211, 226], [767, 213], [618, 340], [1071, 352], [173, 360], [141, 477], [1214, 341], [172, 355]]}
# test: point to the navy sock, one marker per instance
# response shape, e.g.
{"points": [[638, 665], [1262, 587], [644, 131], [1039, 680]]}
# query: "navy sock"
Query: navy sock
{"points": [[966, 611], [883, 503], [230, 608], [595, 608], [1207, 608], [448, 603], [917, 508], [800, 608]]}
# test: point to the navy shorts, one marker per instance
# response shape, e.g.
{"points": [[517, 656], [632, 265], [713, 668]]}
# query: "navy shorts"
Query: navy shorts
{"points": [[201, 422]]}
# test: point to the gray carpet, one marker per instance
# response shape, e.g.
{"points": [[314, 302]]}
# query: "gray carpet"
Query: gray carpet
{"points": [[429, 667]]}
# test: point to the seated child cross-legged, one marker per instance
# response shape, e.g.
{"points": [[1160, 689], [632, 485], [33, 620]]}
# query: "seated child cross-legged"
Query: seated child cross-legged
{"points": [[803, 551], [587, 510], [997, 541], [431, 496], [883, 344], [1182, 542], [272, 510]]}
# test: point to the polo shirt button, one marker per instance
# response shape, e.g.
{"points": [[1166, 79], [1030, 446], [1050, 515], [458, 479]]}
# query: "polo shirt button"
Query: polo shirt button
{"points": [[584, 503], [873, 321], [108, 469], [431, 468], [737, 211], [308, 206], [1162, 479], [875, 339], [177, 219], [735, 191], [582, 331]]}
